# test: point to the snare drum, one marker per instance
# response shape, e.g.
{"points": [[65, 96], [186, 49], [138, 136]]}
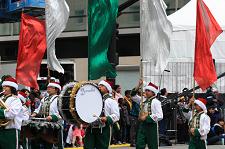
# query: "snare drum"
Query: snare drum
{"points": [[48, 131], [86, 106]]}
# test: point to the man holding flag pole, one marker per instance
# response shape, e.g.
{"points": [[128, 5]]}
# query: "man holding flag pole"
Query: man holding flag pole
{"points": [[155, 35], [207, 30]]}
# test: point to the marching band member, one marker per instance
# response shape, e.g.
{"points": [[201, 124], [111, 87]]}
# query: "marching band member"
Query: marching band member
{"points": [[199, 125], [27, 103], [48, 109], [98, 134], [24, 116], [150, 114], [10, 134], [23, 98]]}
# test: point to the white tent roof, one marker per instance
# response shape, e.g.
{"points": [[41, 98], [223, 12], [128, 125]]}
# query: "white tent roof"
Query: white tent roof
{"points": [[184, 24]]}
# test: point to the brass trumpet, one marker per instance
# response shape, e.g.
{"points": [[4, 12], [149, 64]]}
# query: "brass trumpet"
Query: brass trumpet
{"points": [[144, 112], [3, 122]]}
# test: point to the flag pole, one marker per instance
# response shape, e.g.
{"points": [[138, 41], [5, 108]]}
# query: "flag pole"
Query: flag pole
{"points": [[193, 96], [193, 87], [142, 78], [49, 76]]}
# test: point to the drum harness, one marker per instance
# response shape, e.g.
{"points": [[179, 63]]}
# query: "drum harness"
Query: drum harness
{"points": [[46, 105], [146, 106], [98, 124], [195, 121]]}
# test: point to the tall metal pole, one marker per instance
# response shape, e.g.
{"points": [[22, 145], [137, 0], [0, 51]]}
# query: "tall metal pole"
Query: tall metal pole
{"points": [[142, 86], [176, 5]]}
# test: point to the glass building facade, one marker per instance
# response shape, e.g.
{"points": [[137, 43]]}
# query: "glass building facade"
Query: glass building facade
{"points": [[78, 20]]}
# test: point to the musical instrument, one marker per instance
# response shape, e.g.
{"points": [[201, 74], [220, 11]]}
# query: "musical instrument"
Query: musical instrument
{"points": [[84, 104], [144, 108], [39, 128], [64, 102], [3, 122]]}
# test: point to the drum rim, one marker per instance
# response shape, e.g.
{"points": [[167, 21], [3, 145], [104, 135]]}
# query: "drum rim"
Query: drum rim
{"points": [[65, 87]]}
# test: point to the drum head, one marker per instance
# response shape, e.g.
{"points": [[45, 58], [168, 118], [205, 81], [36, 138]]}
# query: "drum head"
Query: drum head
{"points": [[89, 103]]}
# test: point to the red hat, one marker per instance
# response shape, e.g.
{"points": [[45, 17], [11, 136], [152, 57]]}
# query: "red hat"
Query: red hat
{"points": [[55, 84], [152, 87], [109, 82], [106, 84], [22, 96], [10, 82], [201, 102]]}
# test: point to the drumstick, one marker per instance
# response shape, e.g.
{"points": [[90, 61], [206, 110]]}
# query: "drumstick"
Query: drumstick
{"points": [[40, 119], [94, 115]]}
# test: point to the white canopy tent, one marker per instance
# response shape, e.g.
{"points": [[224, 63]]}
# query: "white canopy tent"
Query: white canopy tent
{"points": [[184, 24]]}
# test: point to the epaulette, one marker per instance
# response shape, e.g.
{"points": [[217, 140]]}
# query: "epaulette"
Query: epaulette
{"points": [[107, 96]]}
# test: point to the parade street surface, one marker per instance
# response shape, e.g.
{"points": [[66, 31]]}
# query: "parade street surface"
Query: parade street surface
{"points": [[178, 146]]}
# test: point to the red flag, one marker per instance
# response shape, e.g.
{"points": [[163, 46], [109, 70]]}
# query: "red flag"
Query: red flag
{"points": [[207, 30], [32, 46]]}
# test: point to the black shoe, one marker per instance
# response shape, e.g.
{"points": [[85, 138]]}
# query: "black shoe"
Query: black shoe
{"points": [[132, 145]]}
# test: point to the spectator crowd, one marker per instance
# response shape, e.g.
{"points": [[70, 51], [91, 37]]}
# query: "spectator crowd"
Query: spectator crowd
{"points": [[177, 112]]}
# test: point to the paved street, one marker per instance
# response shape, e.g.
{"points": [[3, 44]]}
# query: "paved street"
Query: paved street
{"points": [[180, 147]]}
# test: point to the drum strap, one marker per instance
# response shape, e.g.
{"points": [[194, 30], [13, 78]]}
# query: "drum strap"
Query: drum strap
{"points": [[46, 106], [97, 123], [6, 97], [103, 107]]}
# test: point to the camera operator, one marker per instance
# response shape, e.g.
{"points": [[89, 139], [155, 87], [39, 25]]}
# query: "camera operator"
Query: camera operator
{"points": [[213, 98], [184, 108], [213, 105], [183, 115]]}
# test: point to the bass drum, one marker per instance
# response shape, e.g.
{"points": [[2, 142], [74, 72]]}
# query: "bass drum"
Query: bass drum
{"points": [[80, 103], [88, 103], [64, 102]]}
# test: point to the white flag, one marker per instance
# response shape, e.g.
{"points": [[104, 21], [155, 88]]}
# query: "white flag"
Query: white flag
{"points": [[57, 14], [156, 30]]}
